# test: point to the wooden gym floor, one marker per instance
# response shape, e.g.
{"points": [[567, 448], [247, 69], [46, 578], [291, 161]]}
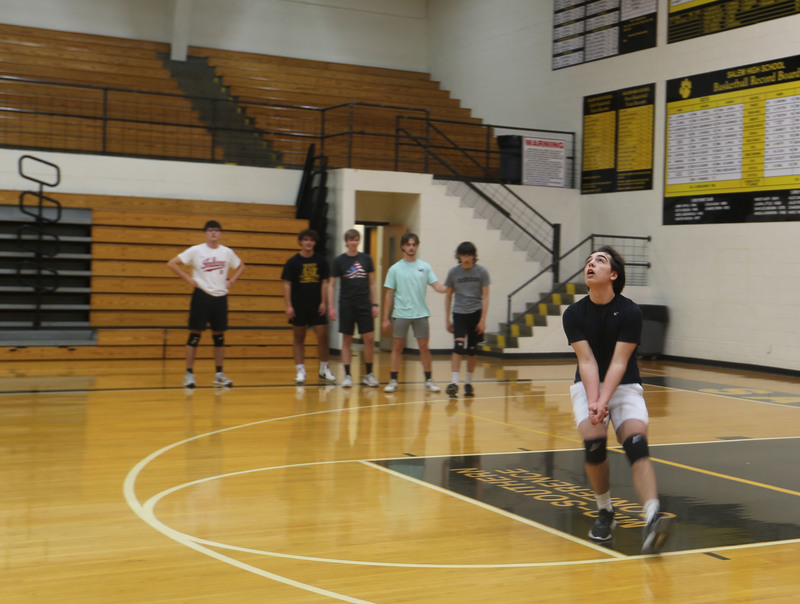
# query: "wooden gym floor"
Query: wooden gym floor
{"points": [[121, 487]]}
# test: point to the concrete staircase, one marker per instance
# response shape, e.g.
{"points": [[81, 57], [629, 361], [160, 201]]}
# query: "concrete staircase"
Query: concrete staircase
{"points": [[45, 272], [233, 132], [542, 319]]}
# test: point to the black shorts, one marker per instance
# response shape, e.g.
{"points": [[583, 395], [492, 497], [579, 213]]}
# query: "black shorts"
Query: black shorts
{"points": [[307, 316], [464, 326], [350, 316], [208, 310]]}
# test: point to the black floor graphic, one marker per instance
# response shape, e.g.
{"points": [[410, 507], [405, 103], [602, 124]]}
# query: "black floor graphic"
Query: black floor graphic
{"points": [[710, 511]]}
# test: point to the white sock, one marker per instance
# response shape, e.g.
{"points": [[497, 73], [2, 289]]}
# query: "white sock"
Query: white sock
{"points": [[323, 365], [454, 378], [468, 379], [301, 367], [604, 501], [651, 508]]}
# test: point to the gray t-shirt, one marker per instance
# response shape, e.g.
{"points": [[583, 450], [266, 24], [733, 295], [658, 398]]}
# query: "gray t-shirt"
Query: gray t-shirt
{"points": [[467, 284]]}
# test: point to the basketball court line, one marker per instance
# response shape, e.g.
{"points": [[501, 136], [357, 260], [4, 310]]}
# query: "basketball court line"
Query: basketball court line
{"points": [[146, 511]]}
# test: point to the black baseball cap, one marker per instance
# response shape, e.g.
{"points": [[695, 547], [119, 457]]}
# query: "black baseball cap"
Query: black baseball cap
{"points": [[212, 224]]}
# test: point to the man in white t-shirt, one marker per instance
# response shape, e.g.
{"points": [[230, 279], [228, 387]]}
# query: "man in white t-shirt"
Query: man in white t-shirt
{"points": [[210, 278]]}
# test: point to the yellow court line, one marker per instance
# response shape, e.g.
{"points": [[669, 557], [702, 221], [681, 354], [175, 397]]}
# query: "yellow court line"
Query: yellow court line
{"points": [[663, 461], [725, 476]]}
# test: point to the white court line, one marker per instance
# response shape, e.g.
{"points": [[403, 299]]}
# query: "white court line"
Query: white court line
{"points": [[146, 513]]}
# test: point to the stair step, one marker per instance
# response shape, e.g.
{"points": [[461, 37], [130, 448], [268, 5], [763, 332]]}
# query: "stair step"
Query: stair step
{"points": [[27, 254], [27, 289], [499, 340], [61, 307], [48, 337], [516, 329], [70, 273]]}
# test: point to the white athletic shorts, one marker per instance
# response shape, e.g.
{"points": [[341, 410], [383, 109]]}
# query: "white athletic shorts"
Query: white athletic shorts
{"points": [[626, 403]]}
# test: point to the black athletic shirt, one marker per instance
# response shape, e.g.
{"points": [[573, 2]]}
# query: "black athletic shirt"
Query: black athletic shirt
{"points": [[602, 326], [306, 275]]}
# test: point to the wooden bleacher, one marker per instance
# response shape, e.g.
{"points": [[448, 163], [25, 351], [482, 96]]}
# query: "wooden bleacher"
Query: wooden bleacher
{"points": [[255, 80], [139, 308], [72, 111], [69, 117]]}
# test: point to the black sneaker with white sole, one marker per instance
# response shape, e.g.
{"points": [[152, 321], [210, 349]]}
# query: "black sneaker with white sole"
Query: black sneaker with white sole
{"points": [[605, 523]]}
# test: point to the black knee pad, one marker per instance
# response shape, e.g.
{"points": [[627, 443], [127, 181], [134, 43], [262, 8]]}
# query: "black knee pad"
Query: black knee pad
{"points": [[596, 452], [219, 339], [472, 350], [194, 340], [636, 447], [458, 347]]}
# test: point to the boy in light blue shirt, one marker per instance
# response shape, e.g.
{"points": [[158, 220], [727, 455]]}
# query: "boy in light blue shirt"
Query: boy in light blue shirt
{"points": [[405, 306]]}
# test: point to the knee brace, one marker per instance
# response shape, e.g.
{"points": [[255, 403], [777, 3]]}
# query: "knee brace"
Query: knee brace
{"points": [[636, 448], [194, 339], [458, 347], [219, 339], [595, 450], [472, 350]]}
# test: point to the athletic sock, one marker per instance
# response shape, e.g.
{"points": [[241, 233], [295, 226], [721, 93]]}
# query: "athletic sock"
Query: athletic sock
{"points": [[454, 378], [428, 375], [651, 508], [347, 369], [393, 375], [369, 367], [468, 378], [604, 501]]}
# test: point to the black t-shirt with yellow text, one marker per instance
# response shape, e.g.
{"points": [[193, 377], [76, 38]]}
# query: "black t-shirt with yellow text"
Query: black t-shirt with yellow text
{"points": [[306, 276]]}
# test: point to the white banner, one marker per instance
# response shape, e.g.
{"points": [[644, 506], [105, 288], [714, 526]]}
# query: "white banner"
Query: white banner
{"points": [[544, 162]]}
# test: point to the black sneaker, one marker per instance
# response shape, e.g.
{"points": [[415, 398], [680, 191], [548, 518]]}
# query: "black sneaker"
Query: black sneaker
{"points": [[452, 389], [605, 523], [469, 390], [656, 534]]}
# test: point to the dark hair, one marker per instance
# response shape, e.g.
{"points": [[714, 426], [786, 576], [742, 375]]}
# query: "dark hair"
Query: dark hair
{"points": [[351, 234], [310, 233], [212, 224], [617, 265], [466, 248], [408, 237]]}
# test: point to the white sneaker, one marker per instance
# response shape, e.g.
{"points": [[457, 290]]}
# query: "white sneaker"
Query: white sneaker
{"points": [[220, 379], [347, 382], [371, 380], [325, 374], [430, 386], [188, 380], [300, 377], [391, 386]]}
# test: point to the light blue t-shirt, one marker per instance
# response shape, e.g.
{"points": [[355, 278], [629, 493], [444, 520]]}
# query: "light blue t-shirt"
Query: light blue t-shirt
{"points": [[409, 280]]}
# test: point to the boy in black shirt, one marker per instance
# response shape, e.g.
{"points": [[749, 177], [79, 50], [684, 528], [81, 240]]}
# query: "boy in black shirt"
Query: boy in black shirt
{"points": [[305, 291], [604, 329]]}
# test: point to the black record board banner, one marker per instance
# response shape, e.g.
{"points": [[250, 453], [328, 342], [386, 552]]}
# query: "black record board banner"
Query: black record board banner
{"points": [[694, 18], [588, 30], [618, 140], [733, 145]]}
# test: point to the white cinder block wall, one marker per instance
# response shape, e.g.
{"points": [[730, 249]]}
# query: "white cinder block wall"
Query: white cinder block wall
{"points": [[731, 289]]}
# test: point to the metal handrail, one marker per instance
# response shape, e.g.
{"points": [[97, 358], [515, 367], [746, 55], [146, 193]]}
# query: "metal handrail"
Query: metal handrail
{"points": [[552, 267]]}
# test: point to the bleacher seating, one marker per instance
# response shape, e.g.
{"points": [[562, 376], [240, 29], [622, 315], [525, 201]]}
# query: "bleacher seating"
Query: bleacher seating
{"points": [[270, 89], [140, 309], [92, 79]]}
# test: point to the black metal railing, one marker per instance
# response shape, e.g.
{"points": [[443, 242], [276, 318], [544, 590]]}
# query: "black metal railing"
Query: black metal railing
{"points": [[634, 249], [61, 116]]}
